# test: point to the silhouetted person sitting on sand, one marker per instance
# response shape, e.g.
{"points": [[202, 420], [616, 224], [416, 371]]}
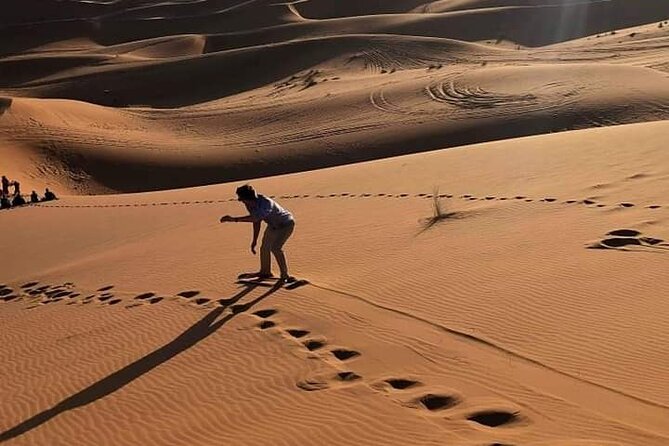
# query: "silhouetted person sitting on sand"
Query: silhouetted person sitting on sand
{"points": [[48, 195], [280, 226], [18, 200], [34, 198], [4, 202], [17, 187], [5, 185]]}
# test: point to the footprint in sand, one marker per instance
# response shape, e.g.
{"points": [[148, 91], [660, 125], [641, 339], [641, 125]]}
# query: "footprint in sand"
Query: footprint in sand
{"points": [[625, 233], [348, 376], [621, 238], [436, 402], [144, 296], [337, 380], [344, 354], [61, 294], [297, 333], [396, 384], [106, 288], [626, 205], [264, 314], [314, 344], [401, 383], [494, 418], [264, 325], [188, 294]]}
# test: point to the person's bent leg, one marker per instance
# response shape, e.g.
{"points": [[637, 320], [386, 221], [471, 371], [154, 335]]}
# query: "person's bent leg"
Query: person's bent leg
{"points": [[265, 252], [282, 236]]}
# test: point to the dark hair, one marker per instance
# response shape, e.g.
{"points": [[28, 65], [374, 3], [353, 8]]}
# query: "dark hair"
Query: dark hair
{"points": [[246, 192]]}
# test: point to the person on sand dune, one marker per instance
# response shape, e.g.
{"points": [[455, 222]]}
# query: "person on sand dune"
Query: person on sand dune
{"points": [[48, 195], [34, 198], [280, 226], [4, 202], [18, 200], [5, 185]]}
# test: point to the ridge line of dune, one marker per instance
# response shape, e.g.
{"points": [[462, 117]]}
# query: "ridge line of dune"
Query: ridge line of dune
{"points": [[490, 344]]}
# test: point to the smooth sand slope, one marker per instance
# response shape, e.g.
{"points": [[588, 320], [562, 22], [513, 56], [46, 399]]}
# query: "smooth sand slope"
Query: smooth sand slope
{"points": [[497, 325], [530, 311]]}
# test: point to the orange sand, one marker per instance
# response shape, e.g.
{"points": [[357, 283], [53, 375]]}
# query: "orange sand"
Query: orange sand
{"points": [[531, 313]]}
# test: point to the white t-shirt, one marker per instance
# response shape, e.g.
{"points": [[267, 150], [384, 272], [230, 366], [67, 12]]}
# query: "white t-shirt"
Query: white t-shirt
{"points": [[270, 212]]}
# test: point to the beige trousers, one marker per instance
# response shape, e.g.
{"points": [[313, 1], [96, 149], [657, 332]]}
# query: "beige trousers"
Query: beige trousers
{"points": [[272, 243]]}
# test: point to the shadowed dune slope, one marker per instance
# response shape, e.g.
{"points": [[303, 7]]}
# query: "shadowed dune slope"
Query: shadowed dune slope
{"points": [[259, 134], [263, 22], [177, 94]]}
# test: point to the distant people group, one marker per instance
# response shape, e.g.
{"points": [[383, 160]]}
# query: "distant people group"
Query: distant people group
{"points": [[15, 199]]}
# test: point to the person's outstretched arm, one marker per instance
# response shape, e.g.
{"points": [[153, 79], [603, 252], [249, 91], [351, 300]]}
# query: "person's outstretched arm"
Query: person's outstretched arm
{"points": [[245, 219]]}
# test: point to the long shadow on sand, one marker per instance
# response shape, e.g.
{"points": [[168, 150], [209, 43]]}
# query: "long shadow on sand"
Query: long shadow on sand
{"points": [[196, 333]]}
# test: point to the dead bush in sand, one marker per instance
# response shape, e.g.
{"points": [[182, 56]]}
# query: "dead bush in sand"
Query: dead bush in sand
{"points": [[439, 211]]}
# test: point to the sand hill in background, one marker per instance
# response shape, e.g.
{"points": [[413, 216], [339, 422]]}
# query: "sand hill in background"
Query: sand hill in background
{"points": [[195, 93]]}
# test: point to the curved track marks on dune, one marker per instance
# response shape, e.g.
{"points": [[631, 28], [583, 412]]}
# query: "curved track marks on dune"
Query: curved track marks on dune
{"points": [[465, 96]]}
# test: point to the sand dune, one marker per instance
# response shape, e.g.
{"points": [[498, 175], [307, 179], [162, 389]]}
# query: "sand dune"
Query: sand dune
{"points": [[565, 348], [411, 111], [412, 88], [526, 309]]}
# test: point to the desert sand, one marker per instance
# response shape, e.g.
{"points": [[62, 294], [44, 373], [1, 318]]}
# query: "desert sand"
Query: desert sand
{"points": [[530, 310]]}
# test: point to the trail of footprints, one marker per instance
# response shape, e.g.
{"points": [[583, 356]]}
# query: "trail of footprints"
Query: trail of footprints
{"points": [[588, 202], [409, 391], [36, 295]]}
